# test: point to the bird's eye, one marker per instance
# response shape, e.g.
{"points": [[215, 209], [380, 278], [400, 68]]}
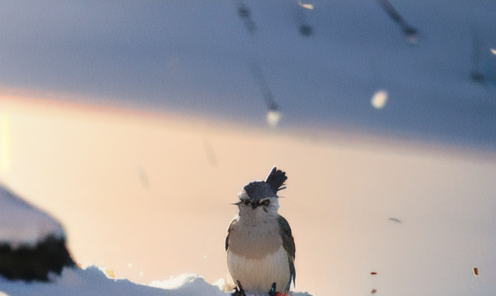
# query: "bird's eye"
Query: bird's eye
{"points": [[246, 202], [266, 202]]}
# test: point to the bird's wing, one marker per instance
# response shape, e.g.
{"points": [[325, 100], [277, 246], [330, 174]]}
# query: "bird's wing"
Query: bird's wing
{"points": [[227, 240], [229, 232], [289, 246]]}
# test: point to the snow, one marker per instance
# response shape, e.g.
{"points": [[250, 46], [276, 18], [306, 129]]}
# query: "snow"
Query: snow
{"points": [[23, 225], [93, 281]]}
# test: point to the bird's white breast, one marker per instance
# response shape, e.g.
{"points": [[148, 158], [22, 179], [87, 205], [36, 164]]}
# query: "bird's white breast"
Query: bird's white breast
{"points": [[258, 274]]}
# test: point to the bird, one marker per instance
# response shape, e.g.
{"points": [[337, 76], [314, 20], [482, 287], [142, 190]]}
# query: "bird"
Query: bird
{"points": [[260, 248]]}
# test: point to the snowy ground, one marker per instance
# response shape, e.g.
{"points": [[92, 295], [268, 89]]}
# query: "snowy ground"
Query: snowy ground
{"points": [[93, 281]]}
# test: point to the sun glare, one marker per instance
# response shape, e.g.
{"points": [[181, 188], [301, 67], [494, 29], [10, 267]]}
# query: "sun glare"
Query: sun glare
{"points": [[306, 5], [4, 145], [273, 118], [379, 99]]}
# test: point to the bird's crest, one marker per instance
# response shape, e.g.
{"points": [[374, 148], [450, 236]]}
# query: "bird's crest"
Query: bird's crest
{"points": [[276, 179]]}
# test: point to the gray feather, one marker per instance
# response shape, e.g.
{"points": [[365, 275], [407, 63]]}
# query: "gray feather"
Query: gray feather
{"points": [[227, 236], [289, 246]]}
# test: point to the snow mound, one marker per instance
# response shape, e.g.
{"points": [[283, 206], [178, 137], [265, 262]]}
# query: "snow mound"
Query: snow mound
{"points": [[188, 284], [32, 244], [92, 281], [22, 224]]}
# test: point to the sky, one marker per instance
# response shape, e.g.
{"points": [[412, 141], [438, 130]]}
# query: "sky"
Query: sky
{"points": [[198, 57]]}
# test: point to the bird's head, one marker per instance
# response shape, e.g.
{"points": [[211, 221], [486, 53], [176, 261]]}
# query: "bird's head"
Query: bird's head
{"points": [[261, 196]]}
